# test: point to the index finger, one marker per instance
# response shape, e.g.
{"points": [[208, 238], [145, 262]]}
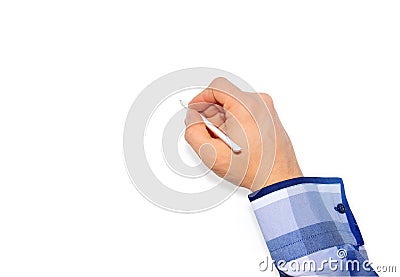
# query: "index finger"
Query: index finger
{"points": [[220, 91]]}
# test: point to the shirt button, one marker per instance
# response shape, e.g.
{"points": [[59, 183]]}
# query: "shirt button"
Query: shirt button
{"points": [[340, 208]]}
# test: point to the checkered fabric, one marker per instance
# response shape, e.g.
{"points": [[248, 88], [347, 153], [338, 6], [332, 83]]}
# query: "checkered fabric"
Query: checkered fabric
{"points": [[306, 221]]}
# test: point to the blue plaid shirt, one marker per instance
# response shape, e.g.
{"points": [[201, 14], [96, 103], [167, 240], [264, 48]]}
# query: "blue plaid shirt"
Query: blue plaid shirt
{"points": [[309, 228]]}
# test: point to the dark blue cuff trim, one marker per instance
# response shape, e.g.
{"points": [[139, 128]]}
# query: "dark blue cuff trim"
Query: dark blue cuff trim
{"points": [[351, 219], [292, 182]]}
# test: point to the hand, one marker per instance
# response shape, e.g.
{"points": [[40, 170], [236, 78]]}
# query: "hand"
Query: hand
{"points": [[251, 121]]}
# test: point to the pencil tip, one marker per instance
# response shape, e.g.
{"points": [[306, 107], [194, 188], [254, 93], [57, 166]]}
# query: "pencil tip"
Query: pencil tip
{"points": [[183, 103]]}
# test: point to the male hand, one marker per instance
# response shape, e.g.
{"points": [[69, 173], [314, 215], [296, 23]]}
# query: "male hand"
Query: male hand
{"points": [[251, 121]]}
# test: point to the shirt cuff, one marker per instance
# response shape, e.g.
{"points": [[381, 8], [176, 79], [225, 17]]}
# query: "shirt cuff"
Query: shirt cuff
{"points": [[305, 215]]}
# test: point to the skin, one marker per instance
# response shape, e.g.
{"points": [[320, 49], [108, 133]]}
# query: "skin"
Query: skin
{"points": [[249, 119]]}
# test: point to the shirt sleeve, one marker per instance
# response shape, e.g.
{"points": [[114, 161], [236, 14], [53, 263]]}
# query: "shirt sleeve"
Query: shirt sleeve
{"points": [[309, 228]]}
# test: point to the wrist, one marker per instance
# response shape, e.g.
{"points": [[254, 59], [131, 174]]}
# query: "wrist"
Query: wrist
{"points": [[281, 172]]}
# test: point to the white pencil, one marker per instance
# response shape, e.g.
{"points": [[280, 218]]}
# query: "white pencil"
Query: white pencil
{"points": [[235, 148]]}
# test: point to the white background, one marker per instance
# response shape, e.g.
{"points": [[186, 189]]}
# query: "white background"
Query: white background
{"points": [[70, 70]]}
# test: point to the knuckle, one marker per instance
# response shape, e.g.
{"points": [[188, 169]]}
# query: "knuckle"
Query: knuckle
{"points": [[219, 80], [219, 83], [267, 98]]}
